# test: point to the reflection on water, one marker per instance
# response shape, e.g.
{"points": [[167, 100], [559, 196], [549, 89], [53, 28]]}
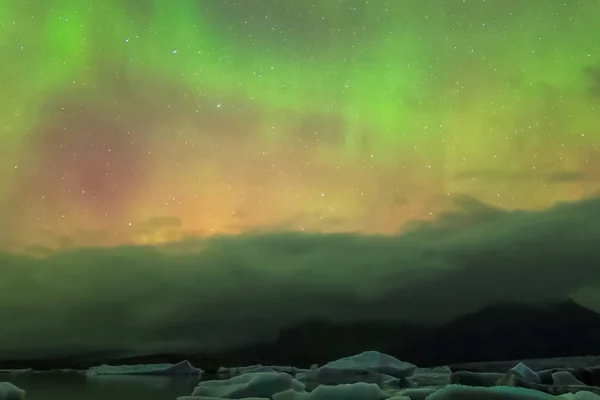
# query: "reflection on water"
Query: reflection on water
{"points": [[78, 387]]}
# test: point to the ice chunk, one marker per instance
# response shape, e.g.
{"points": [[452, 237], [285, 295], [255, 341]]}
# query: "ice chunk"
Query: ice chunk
{"points": [[253, 384], [437, 376], [216, 398], [330, 376], [444, 369], [526, 373], [258, 368], [476, 378], [8, 391], [244, 370], [369, 367], [179, 369], [416, 393], [459, 392], [565, 378], [16, 371], [352, 391], [373, 361], [583, 395]]}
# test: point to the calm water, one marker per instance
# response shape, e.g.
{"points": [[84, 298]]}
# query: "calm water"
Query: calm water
{"points": [[80, 387]]}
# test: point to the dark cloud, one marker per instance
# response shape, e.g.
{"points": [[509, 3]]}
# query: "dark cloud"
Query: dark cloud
{"points": [[493, 175], [38, 251], [516, 176], [569, 176], [223, 291], [593, 74]]}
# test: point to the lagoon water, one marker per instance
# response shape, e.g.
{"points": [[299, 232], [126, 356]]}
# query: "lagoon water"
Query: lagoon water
{"points": [[79, 386]]}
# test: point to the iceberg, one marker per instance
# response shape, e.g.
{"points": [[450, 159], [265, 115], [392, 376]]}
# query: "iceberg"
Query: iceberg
{"points": [[258, 368], [417, 393], [16, 371], [8, 391], [526, 373], [351, 391], [459, 392], [368, 367], [565, 378], [373, 361], [437, 376], [249, 385], [183, 368], [583, 395]]}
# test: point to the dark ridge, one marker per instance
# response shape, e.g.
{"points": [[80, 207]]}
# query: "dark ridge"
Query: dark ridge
{"points": [[510, 332], [495, 333], [317, 342]]}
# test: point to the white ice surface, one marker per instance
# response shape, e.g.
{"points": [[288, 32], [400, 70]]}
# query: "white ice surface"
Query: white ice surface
{"points": [[8, 391], [216, 398], [526, 373], [583, 395], [258, 368], [416, 393], [253, 384], [179, 369], [459, 392], [369, 367], [431, 376], [351, 391], [476, 378], [373, 361], [16, 371], [565, 378]]}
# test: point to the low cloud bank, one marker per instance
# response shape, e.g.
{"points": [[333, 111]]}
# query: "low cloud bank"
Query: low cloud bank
{"points": [[225, 291]]}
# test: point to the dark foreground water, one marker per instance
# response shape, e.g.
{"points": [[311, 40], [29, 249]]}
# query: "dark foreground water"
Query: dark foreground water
{"points": [[80, 387]]}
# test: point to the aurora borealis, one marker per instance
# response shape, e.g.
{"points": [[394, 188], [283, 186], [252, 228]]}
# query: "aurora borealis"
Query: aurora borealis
{"points": [[145, 121]]}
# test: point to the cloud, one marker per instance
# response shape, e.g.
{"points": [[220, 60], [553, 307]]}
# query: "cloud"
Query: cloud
{"points": [[224, 291], [570, 176], [593, 74]]}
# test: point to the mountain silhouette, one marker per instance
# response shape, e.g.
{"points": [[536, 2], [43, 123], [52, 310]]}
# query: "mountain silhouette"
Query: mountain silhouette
{"points": [[497, 332], [510, 332]]}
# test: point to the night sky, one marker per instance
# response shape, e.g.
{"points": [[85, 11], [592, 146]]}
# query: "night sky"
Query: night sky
{"points": [[141, 121], [174, 171]]}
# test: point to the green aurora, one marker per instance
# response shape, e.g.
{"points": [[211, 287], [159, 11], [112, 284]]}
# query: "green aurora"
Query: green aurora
{"points": [[402, 102]]}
